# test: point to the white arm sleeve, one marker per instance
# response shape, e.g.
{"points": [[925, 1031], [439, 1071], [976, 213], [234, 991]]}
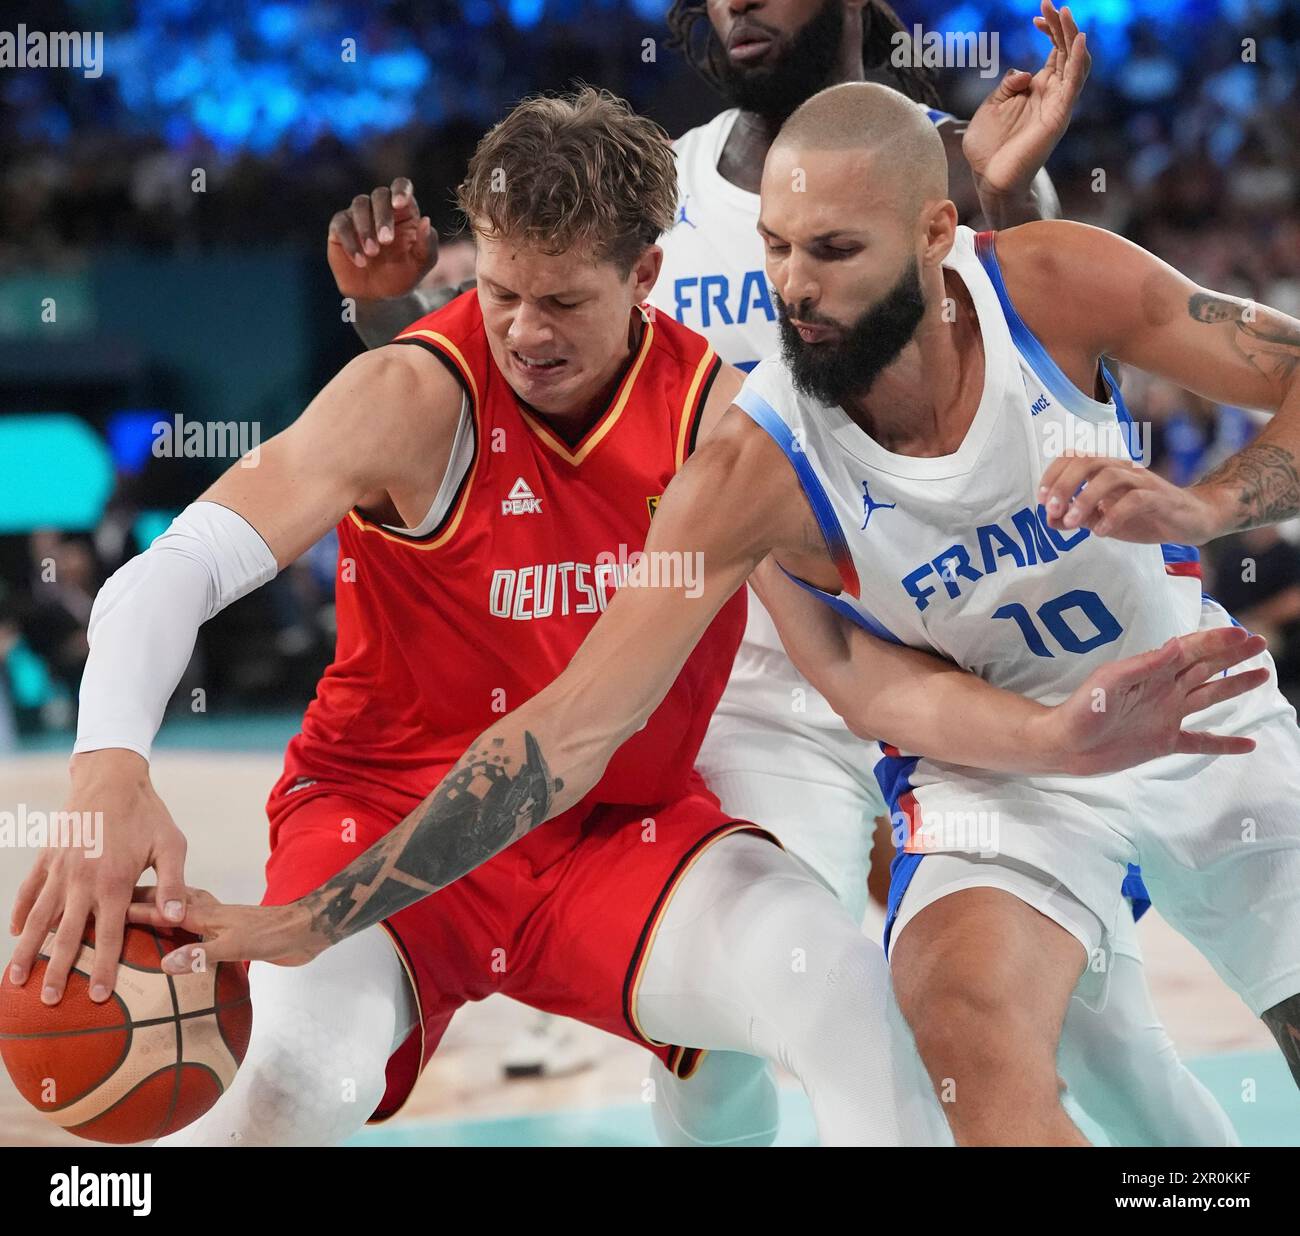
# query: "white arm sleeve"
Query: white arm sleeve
{"points": [[147, 616]]}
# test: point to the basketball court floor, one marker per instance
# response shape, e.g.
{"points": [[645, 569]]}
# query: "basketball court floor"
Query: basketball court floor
{"points": [[215, 774]]}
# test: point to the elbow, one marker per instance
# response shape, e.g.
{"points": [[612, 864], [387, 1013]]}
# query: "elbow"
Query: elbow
{"points": [[855, 723]]}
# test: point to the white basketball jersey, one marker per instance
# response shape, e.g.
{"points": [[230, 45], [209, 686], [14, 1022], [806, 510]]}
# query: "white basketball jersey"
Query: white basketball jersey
{"points": [[713, 277], [714, 280], [954, 554]]}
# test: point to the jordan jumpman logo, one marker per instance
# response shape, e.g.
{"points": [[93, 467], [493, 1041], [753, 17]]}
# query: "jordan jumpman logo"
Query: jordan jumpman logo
{"points": [[869, 504]]}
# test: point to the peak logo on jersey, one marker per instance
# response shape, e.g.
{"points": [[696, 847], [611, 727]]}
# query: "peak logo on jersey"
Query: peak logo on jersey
{"points": [[521, 500], [652, 503], [869, 505]]}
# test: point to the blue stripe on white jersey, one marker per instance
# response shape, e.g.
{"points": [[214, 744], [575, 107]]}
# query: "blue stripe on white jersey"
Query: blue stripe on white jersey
{"points": [[997, 590], [855, 614], [1066, 393]]}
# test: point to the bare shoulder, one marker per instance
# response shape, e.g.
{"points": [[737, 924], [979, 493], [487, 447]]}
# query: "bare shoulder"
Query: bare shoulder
{"points": [[1083, 284], [722, 394], [396, 389], [1034, 254], [739, 485], [387, 418], [400, 380]]}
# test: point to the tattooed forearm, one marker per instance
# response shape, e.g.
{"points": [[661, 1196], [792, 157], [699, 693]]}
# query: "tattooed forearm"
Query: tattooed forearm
{"points": [[478, 809], [1263, 481]]}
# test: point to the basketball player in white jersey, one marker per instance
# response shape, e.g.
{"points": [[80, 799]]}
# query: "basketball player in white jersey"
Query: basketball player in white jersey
{"points": [[920, 444], [776, 749]]}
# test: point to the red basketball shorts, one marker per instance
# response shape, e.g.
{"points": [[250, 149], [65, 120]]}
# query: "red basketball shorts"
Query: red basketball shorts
{"points": [[562, 920]]}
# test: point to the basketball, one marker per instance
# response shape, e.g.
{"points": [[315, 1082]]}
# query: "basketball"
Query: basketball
{"points": [[146, 1062]]}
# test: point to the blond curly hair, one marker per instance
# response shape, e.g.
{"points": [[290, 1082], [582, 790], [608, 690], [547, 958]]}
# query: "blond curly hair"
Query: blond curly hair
{"points": [[569, 170]]}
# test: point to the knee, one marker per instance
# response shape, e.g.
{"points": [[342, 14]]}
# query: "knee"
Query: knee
{"points": [[850, 976], [808, 954], [966, 1032], [303, 1082]]}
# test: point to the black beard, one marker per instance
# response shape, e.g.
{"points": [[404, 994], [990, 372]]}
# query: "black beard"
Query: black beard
{"points": [[794, 76], [835, 372]]}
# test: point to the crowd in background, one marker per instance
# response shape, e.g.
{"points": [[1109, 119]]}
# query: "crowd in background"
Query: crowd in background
{"points": [[1187, 140]]}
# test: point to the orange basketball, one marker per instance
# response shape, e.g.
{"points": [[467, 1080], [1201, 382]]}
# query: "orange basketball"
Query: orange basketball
{"points": [[153, 1057]]}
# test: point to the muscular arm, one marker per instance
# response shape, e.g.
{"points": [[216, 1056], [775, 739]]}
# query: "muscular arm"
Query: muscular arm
{"points": [[1126, 303], [1123, 714], [373, 438], [357, 443], [912, 699]]}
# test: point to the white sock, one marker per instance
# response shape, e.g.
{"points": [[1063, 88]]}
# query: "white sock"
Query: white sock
{"points": [[322, 1035], [755, 955]]}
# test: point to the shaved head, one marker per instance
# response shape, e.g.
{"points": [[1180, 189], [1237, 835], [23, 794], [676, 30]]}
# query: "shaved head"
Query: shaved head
{"points": [[895, 134], [855, 216]]}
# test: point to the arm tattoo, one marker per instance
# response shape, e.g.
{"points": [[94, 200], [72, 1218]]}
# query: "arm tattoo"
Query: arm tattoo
{"points": [[478, 809], [1269, 340], [1266, 482], [1263, 475]]}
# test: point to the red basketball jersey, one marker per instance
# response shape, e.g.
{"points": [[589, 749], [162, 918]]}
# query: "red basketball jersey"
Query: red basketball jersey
{"points": [[442, 634]]}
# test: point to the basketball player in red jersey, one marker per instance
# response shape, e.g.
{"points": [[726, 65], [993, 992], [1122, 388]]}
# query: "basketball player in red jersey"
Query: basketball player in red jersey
{"points": [[495, 473]]}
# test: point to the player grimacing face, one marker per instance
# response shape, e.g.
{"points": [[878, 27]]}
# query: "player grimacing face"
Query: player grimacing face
{"points": [[844, 269], [777, 53], [558, 324]]}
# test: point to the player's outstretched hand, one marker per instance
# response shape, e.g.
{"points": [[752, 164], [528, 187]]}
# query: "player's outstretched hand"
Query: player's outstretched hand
{"points": [[1018, 125], [381, 246], [1122, 499], [124, 829], [1133, 710], [280, 934]]}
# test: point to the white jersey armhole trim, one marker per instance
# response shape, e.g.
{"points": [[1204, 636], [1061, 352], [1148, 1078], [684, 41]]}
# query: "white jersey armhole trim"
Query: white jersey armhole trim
{"points": [[458, 464]]}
